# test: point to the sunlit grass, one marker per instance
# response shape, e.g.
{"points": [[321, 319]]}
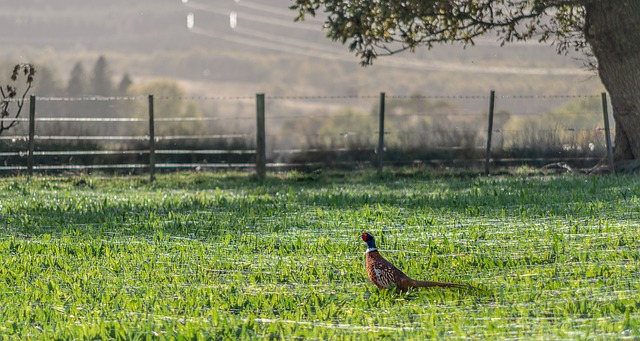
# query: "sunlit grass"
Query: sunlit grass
{"points": [[200, 256]]}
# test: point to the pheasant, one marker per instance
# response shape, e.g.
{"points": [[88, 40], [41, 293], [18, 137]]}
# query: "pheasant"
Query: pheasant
{"points": [[385, 275]]}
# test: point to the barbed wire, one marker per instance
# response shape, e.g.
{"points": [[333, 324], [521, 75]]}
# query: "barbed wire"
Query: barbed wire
{"points": [[481, 113], [89, 119], [121, 119], [205, 98], [546, 96], [128, 98], [439, 97], [322, 97], [314, 97], [90, 99], [200, 119]]}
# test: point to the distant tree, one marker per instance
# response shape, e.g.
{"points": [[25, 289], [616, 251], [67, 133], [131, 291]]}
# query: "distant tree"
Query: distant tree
{"points": [[77, 85], [606, 31], [100, 83], [124, 85], [14, 96], [123, 108], [48, 84]]}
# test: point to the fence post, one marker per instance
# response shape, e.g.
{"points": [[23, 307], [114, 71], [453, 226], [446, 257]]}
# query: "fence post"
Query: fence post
{"points": [[261, 154], [381, 134], [487, 160], [607, 132], [32, 133], [152, 142]]}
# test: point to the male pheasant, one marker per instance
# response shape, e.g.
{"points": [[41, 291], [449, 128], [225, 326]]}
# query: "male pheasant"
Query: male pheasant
{"points": [[385, 275]]}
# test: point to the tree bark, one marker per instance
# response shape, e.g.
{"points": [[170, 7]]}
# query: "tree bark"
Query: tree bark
{"points": [[612, 29]]}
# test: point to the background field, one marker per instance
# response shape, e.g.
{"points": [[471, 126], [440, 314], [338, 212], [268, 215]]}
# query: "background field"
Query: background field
{"points": [[208, 255], [149, 40]]}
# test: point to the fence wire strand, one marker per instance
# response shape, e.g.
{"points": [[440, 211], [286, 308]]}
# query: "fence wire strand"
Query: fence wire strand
{"points": [[310, 97]]}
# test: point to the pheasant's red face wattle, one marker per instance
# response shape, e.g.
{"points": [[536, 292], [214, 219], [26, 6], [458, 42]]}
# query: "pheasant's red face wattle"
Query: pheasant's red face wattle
{"points": [[364, 236]]}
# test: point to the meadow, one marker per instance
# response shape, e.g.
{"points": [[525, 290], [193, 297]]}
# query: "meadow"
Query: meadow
{"points": [[197, 256]]}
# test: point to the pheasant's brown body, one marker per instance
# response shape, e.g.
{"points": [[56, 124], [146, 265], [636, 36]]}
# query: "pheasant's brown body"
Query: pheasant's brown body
{"points": [[382, 273], [385, 275]]}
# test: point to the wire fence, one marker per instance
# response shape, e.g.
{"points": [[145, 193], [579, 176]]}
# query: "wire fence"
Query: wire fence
{"points": [[145, 133]]}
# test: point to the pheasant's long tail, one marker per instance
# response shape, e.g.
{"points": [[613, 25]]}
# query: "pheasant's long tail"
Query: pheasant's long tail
{"points": [[425, 284]]}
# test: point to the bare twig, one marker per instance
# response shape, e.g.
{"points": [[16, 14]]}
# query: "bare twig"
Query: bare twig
{"points": [[9, 95]]}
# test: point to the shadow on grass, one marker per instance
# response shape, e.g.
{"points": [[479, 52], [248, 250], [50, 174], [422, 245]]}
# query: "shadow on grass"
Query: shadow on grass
{"points": [[234, 201]]}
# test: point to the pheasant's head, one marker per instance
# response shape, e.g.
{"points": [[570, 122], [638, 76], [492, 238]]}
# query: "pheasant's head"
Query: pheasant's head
{"points": [[368, 238]]}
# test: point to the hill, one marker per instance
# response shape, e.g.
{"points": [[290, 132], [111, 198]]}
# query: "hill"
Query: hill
{"points": [[265, 52]]}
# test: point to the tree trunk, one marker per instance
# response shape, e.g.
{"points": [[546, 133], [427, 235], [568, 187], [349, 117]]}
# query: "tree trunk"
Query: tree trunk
{"points": [[612, 29]]}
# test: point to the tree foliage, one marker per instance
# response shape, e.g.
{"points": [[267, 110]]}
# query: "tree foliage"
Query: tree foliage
{"points": [[124, 85], [77, 85], [101, 84], [372, 28]]}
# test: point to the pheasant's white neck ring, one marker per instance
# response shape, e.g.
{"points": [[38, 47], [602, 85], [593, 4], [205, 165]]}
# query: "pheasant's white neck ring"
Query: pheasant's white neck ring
{"points": [[371, 249]]}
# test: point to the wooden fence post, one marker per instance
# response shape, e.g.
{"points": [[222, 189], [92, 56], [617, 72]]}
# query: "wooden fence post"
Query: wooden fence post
{"points": [[381, 134], [152, 142], [489, 132], [607, 132], [261, 145], [32, 133]]}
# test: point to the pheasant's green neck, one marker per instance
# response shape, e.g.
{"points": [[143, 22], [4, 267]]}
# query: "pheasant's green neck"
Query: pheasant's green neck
{"points": [[371, 245]]}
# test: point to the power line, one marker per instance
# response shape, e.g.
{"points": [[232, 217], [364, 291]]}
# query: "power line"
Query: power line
{"points": [[291, 42], [270, 46], [303, 48], [300, 47], [255, 18], [273, 10]]}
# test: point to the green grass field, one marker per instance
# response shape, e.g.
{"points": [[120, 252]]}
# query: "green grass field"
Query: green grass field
{"points": [[223, 256]]}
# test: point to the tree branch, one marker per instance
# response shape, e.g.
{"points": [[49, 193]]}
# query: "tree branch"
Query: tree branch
{"points": [[375, 27], [10, 96]]}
